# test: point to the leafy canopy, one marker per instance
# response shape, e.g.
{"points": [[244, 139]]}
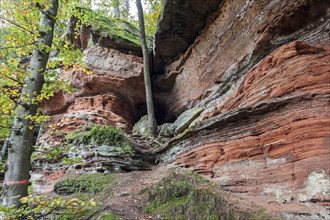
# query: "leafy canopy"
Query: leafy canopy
{"points": [[19, 32]]}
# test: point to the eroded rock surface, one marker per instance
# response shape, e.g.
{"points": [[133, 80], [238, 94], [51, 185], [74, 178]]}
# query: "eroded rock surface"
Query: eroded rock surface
{"points": [[242, 34], [269, 139], [179, 24], [261, 72], [259, 69], [110, 96]]}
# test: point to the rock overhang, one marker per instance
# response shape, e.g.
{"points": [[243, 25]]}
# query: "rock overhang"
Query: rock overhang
{"points": [[179, 24]]}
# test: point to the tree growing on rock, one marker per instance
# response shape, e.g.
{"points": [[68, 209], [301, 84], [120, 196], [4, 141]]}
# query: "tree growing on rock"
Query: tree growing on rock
{"points": [[146, 72]]}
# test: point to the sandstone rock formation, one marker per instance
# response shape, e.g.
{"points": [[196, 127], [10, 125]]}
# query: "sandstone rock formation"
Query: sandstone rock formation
{"points": [[179, 24], [270, 139], [112, 95], [259, 69], [264, 133], [241, 35]]}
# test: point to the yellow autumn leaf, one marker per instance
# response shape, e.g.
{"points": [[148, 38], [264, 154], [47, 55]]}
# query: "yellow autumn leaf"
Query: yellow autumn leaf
{"points": [[92, 203], [24, 200]]}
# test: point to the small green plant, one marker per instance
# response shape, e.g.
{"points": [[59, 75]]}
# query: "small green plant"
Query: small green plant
{"points": [[109, 216], [57, 154], [74, 135], [72, 160], [39, 207]]}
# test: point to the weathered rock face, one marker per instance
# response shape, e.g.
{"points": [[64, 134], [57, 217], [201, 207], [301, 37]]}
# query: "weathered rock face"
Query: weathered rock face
{"points": [[110, 96], [260, 70], [264, 133], [179, 24], [242, 34], [272, 142]]}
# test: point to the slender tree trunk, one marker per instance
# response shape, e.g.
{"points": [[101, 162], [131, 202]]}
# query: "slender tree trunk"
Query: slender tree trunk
{"points": [[117, 8], [21, 140], [127, 6], [146, 71]]}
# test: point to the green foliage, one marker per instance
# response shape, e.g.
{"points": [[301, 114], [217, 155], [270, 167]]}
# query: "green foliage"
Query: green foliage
{"points": [[151, 14], [57, 154], [19, 33], [40, 207], [50, 154], [85, 183], [75, 136]]}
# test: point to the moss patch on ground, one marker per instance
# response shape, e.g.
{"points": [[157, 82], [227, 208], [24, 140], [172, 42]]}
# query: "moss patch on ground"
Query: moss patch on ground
{"points": [[184, 195], [85, 183]]}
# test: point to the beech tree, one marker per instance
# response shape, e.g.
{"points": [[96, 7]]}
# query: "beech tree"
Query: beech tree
{"points": [[21, 139], [25, 70], [146, 72]]}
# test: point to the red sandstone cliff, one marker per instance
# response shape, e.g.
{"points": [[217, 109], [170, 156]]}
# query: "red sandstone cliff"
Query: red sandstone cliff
{"points": [[260, 69], [265, 130]]}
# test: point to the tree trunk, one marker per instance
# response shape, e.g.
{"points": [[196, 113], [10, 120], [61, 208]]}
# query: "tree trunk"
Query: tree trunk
{"points": [[146, 72], [21, 140], [127, 6], [117, 8]]}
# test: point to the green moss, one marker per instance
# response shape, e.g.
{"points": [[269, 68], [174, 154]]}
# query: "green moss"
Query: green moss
{"points": [[118, 29], [109, 216], [183, 195], [103, 135], [98, 135], [74, 135], [85, 183]]}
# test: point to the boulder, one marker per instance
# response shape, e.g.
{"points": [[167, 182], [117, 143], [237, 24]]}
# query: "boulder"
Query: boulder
{"points": [[185, 119], [141, 127]]}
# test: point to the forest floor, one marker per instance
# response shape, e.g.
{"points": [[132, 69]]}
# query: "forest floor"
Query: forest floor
{"points": [[127, 199]]}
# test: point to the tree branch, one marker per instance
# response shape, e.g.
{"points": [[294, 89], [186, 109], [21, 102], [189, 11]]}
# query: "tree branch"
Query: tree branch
{"points": [[18, 46], [17, 25]]}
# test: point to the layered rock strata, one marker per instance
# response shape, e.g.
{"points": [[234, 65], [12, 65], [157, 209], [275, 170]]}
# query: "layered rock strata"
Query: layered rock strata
{"points": [[240, 36], [261, 72], [111, 95], [270, 139]]}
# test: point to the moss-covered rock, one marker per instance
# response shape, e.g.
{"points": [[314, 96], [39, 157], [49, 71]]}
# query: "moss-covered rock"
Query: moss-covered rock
{"points": [[141, 127], [85, 183], [185, 119], [184, 195], [166, 130], [98, 135], [109, 32], [108, 147]]}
